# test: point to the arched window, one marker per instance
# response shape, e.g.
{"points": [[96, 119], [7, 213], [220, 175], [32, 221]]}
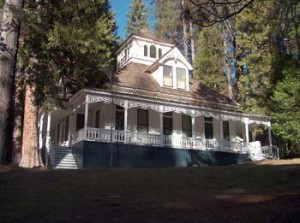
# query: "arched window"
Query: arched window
{"points": [[125, 54], [145, 50], [152, 51], [159, 53]]}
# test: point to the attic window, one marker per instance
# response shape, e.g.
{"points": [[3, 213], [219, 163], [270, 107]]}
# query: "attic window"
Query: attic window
{"points": [[168, 76], [145, 50], [152, 51], [181, 78]]}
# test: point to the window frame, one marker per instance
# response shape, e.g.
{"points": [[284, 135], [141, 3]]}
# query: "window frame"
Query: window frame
{"points": [[226, 131], [167, 117], [172, 76], [119, 113], [152, 51], [145, 51], [145, 125], [209, 132], [185, 85], [186, 126]]}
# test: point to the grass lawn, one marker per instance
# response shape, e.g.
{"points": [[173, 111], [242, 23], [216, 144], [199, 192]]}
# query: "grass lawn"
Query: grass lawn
{"points": [[263, 192]]}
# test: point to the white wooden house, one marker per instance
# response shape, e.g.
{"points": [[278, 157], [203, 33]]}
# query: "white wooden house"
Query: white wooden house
{"points": [[153, 106]]}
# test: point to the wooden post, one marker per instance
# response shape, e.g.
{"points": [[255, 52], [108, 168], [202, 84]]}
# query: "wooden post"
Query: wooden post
{"points": [[86, 114], [161, 119], [193, 128], [125, 120], [247, 129], [48, 138]]}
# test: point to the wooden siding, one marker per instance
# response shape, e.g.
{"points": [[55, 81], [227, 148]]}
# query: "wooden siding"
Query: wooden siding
{"points": [[90, 154]]}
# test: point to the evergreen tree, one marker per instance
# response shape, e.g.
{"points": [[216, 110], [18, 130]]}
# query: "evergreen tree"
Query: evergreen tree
{"points": [[286, 106], [67, 47], [210, 60], [137, 17]]}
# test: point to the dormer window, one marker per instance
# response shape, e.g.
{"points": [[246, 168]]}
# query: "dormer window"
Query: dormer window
{"points": [[145, 50], [168, 76], [152, 51], [181, 78]]}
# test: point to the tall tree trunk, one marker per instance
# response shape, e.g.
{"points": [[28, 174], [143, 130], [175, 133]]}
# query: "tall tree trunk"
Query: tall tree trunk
{"points": [[18, 124], [30, 154], [185, 31], [192, 42], [10, 28]]}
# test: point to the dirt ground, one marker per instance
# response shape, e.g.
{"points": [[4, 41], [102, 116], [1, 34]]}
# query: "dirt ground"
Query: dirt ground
{"points": [[266, 191]]}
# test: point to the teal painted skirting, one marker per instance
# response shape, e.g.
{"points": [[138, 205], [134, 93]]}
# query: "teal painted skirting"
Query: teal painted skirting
{"points": [[89, 154]]}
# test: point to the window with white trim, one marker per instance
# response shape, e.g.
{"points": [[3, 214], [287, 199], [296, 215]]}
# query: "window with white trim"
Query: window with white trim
{"points": [[209, 128], [181, 78], [119, 118], [187, 126], [226, 132], [152, 51], [145, 50], [168, 123], [142, 120], [168, 76]]}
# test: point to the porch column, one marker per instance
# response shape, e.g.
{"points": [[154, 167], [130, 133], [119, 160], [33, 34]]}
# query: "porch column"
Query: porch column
{"points": [[221, 129], [48, 138], [247, 129], [161, 119], [41, 130], [221, 144], [270, 135], [70, 128], [86, 114], [125, 120], [193, 128]]}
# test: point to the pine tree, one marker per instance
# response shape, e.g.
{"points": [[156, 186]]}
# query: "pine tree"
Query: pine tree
{"points": [[10, 27], [137, 17], [210, 60], [67, 47]]}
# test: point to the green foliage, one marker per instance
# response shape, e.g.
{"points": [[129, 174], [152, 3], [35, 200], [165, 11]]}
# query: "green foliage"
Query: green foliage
{"points": [[68, 46], [168, 21], [137, 17], [209, 64], [286, 104]]}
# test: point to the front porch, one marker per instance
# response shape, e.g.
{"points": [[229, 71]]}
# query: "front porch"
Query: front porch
{"points": [[98, 119], [155, 140]]}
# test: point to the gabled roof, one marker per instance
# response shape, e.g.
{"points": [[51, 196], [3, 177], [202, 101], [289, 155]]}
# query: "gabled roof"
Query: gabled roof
{"points": [[173, 53], [136, 77]]}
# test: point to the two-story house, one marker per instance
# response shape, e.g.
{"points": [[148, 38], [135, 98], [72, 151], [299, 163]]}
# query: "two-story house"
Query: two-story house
{"points": [[153, 114]]}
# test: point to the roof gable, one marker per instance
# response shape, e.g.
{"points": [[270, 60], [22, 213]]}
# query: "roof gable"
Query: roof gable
{"points": [[172, 54]]}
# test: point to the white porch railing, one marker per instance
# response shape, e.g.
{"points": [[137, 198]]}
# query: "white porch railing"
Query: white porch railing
{"points": [[107, 135]]}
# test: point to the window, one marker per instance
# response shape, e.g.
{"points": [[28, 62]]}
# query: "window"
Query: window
{"points": [[208, 125], [97, 119], [152, 51], [181, 78], [125, 52], [145, 50], [159, 53], [226, 132], [168, 123], [168, 76], [119, 118], [142, 120], [187, 125]]}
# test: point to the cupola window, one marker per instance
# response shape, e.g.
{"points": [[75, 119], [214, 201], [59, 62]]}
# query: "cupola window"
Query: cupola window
{"points": [[152, 51], [145, 50]]}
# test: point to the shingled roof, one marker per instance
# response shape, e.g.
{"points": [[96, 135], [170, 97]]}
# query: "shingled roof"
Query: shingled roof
{"points": [[134, 76]]}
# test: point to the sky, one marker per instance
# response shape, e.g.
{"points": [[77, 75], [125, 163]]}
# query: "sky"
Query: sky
{"points": [[120, 7]]}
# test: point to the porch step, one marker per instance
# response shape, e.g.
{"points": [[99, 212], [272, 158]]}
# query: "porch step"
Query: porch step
{"points": [[64, 159]]}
